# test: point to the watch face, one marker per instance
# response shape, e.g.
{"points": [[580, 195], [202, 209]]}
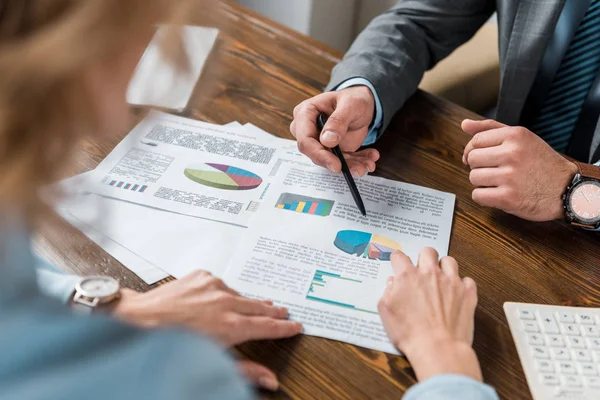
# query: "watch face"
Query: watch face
{"points": [[585, 201], [98, 286]]}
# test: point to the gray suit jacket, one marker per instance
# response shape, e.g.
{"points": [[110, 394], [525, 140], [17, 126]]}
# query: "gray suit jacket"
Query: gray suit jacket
{"points": [[397, 47]]}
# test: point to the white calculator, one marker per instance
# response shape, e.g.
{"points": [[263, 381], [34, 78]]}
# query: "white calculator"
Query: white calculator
{"points": [[559, 349]]}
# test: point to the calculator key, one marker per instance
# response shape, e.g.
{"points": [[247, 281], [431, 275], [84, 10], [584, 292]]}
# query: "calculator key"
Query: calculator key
{"points": [[535, 339], [566, 367], [570, 329], [591, 331], [531, 326], [582, 355], [526, 314], [585, 319], [587, 369], [544, 366], [576, 342], [549, 379], [566, 317], [593, 382], [548, 322], [555, 341], [594, 344], [572, 381], [540, 352], [560, 354]]}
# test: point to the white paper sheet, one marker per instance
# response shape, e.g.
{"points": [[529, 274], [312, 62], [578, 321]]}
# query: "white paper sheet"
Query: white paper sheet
{"points": [[157, 82], [189, 167], [93, 212], [176, 243], [309, 249], [142, 236]]}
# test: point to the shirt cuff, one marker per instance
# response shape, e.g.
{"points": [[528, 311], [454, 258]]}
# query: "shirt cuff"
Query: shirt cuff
{"points": [[451, 387], [54, 283], [374, 132]]}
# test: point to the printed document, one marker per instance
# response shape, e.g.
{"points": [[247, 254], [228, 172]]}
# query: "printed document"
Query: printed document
{"points": [[95, 212], [149, 241], [308, 248], [188, 167]]}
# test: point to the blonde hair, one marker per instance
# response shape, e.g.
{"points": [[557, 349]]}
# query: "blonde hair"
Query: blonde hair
{"points": [[45, 48]]}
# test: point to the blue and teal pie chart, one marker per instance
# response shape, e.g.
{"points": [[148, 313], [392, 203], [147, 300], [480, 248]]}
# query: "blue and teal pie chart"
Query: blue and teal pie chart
{"points": [[222, 176]]}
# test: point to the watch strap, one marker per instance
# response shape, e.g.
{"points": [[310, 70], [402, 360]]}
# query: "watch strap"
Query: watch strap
{"points": [[588, 170], [81, 307]]}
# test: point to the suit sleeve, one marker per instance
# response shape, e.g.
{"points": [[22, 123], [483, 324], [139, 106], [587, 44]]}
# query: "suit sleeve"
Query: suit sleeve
{"points": [[397, 47]]}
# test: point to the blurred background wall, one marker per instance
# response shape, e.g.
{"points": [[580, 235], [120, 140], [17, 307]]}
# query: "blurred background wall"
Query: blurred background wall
{"points": [[469, 76], [335, 22]]}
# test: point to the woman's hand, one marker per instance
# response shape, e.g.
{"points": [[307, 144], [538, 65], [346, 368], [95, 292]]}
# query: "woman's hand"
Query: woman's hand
{"points": [[428, 314], [204, 304]]}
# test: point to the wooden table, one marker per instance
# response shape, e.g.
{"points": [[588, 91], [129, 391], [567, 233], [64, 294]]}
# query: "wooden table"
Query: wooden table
{"points": [[257, 73]]}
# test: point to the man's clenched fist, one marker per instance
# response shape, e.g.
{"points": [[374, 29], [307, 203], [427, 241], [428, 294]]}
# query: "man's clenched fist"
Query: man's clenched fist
{"points": [[514, 170]]}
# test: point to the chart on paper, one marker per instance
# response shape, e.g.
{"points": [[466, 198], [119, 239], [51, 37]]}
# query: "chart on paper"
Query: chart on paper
{"points": [[366, 244], [222, 176], [339, 291], [136, 187], [305, 204]]}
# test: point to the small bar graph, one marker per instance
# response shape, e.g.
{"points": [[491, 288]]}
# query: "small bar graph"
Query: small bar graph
{"points": [[337, 290], [134, 187], [304, 204]]}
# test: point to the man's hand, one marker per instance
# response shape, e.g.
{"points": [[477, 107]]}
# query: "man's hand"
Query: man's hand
{"points": [[350, 113], [514, 170], [203, 304], [428, 314]]}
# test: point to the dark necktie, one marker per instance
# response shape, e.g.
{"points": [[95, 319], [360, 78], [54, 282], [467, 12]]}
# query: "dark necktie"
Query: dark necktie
{"points": [[560, 110]]}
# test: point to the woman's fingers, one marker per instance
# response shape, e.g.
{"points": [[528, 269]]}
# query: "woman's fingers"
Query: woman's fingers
{"points": [[401, 263], [260, 328], [449, 266], [258, 375], [219, 284], [468, 309], [200, 280], [246, 306], [470, 292], [428, 260]]}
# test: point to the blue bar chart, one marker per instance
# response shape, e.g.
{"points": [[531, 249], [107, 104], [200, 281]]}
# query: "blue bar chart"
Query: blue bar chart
{"points": [[337, 290]]}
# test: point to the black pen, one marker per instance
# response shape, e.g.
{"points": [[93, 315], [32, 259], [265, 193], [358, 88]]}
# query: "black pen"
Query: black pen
{"points": [[321, 120]]}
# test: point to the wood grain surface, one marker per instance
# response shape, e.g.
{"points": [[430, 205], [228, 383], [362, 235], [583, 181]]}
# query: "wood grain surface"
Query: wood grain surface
{"points": [[257, 72]]}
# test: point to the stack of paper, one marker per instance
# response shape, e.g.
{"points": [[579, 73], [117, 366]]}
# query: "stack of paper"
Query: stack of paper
{"points": [[179, 195], [151, 242]]}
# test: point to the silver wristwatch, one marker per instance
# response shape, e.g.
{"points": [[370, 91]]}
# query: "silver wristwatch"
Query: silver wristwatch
{"points": [[94, 291]]}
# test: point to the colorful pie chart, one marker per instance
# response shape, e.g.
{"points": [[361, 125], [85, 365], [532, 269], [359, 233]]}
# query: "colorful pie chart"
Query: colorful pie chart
{"points": [[222, 176], [366, 244]]}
